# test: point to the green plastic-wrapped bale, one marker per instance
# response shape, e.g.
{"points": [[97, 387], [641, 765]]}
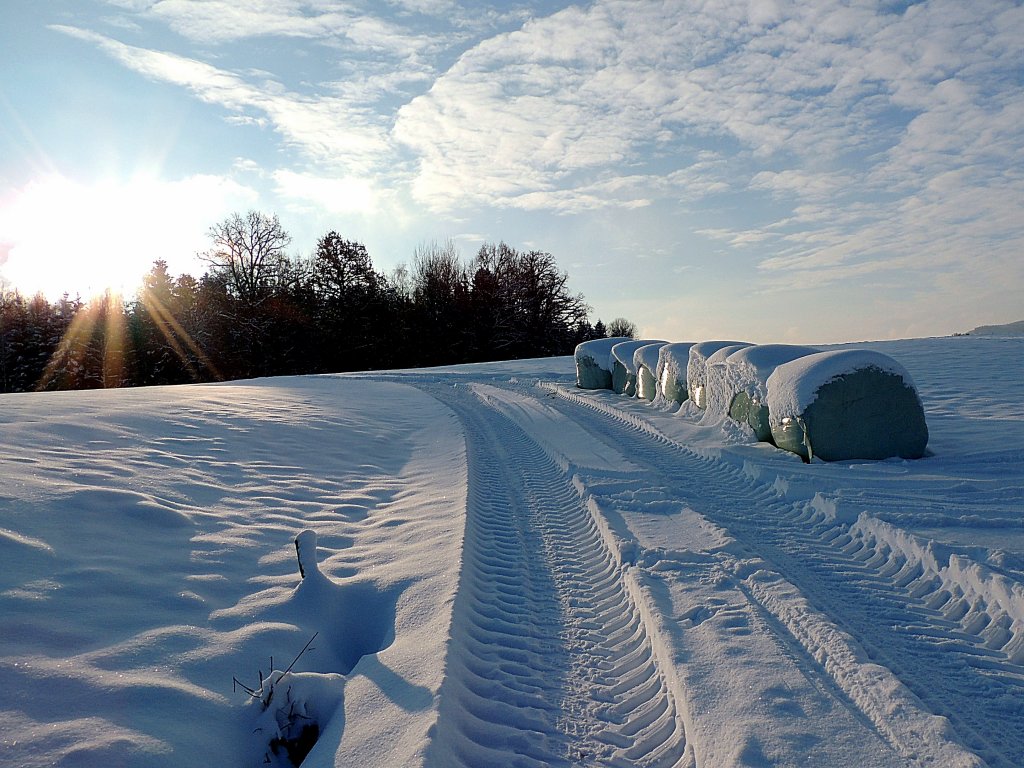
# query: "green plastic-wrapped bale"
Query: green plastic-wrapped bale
{"points": [[645, 361], [737, 382], [592, 368], [718, 390], [696, 368], [671, 373], [846, 404], [622, 365]]}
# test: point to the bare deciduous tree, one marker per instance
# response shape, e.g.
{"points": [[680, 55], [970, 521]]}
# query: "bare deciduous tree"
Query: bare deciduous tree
{"points": [[248, 254]]}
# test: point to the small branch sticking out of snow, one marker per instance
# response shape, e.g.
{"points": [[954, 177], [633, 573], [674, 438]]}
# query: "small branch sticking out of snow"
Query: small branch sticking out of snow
{"points": [[305, 550], [273, 680]]}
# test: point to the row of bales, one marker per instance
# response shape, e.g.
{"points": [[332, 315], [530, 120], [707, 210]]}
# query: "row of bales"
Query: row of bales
{"points": [[834, 405]]}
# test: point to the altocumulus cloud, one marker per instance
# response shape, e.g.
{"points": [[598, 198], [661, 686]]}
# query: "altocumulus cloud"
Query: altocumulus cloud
{"points": [[892, 134], [864, 139]]}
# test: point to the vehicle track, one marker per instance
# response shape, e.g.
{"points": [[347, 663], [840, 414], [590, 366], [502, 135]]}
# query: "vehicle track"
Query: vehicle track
{"points": [[550, 662], [942, 645]]}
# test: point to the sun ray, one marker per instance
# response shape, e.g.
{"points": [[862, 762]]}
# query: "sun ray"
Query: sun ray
{"points": [[114, 338], [174, 333], [69, 356]]}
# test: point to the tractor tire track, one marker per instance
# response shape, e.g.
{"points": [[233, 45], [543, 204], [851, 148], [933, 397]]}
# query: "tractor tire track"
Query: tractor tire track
{"points": [[940, 646], [549, 662]]}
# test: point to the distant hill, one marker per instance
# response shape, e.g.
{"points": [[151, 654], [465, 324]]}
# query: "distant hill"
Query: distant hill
{"points": [[1010, 329]]}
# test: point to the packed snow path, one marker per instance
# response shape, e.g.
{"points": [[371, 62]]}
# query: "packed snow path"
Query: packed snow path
{"points": [[551, 659], [941, 648], [884, 641]]}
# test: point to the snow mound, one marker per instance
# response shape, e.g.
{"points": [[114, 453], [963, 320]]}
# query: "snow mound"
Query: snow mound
{"points": [[347, 621], [645, 362], [621, 363], [671, 373], [696, 367], [846, 404], [737, 382], [593, 369]]}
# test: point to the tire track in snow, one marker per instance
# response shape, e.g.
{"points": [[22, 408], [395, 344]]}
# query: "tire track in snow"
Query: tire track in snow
{"points": [[939, 647], [550, 662]]}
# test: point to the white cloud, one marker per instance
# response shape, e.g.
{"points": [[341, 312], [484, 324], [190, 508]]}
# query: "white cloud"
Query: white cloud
{"points": [[224, 20], [326, 129], [332, 195], [852, 139], [582, 95], [793, 183]]}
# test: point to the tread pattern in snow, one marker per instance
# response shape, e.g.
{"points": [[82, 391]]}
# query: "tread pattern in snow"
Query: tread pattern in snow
{"points": [[550, 662], [943, 643]]}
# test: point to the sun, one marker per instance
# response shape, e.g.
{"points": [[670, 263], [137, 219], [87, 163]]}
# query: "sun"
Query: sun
{"points": [[89, 239], [71, 238]]}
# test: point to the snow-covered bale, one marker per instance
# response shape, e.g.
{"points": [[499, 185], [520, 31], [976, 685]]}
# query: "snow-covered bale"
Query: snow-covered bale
{"points": [[621, 363], [672, 360], [846, 404], [696, 368], [737, 385], [715, 384], [645, 361], [593, 370]]}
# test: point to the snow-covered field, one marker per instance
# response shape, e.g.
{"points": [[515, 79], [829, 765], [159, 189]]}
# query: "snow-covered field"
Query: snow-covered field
{"points": [[507, 571]]}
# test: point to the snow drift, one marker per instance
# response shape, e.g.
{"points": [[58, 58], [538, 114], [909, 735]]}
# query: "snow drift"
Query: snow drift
{"points": [[846, 404], [593, 368]]}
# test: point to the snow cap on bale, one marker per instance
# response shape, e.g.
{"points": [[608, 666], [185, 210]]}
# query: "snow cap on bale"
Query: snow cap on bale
{"points": [[621, 362], [696, 368], [645, 361], [671, 373], [593, 370], [737, 386], [846, 404]]}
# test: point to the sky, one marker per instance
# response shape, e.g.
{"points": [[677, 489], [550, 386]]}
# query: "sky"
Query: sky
{"points": [[759, 170]]}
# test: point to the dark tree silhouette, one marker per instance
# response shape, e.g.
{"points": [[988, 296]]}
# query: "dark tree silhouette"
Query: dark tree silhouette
{"points": [[258, 312], [620, 326], [248, 254]]}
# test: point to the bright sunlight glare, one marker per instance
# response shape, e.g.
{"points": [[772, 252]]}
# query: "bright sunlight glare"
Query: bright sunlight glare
{"points": [[63, 236]]}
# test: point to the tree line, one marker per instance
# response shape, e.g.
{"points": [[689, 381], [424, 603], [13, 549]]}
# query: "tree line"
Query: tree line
{"points": [[257, 311]]}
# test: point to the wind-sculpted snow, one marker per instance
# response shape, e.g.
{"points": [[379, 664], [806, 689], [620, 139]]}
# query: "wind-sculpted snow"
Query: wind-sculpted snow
{"points": [[148, 559], [487, 565]]}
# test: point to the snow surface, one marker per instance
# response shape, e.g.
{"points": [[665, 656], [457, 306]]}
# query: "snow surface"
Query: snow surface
{"points": [[501, 569]]}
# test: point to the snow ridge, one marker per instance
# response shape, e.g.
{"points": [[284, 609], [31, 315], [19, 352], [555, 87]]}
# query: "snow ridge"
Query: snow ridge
{"points": [[871, 631], [987, 606]]}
